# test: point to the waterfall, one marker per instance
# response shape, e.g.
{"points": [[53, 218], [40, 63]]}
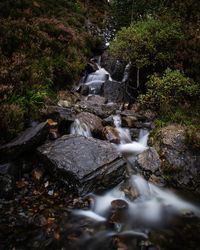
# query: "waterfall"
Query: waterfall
{"points": [[78, 128], [151, 206], [96, 79]]}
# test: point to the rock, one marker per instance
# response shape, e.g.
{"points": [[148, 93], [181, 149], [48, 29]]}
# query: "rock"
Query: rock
{"points": [[134, 132], [84, 89], [25, 142], [180, 164], [112, 91], [129, 121], [96, 99], [85, 164], [108, 121], [70, 97], [111, 134], [9, 168], [6, 186], [148, 160], [63, 116], [93, 122], [103, 110]]}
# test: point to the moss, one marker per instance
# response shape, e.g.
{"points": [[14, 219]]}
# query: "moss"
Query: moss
{"points": [[192, 137]]}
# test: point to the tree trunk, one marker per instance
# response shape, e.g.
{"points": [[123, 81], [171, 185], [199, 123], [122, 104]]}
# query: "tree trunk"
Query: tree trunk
{"points": [[138, 77]]}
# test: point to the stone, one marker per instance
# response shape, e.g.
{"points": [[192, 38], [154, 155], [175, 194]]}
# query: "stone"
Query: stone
{"points": [[96, 99], [180, 164], [84, 164], [63, 116], [149, 160], [129, 121], [6, 186], [111, 134], [9, 168], [101, 110], [25, 142], [93, 122], [112, 91]]}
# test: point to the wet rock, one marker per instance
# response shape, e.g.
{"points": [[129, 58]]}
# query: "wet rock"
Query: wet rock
{"points": [[6, 186], [129, 121], [69, 97], [108, 121], [8, 168], [96, 99], [84, 164], [111, 134], [103, 110], [134, 132], [84, 89], [26, 141], [149, 160], [93, 122], [63, 116], [119, 211], [180, 164], [112, 91]]}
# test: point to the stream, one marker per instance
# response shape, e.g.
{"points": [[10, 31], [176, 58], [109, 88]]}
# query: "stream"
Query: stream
{"points": [[135, 210], [136, 214]]}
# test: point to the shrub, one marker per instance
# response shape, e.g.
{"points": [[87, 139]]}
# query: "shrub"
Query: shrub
{"points": [[149, 42], [171, 89]]}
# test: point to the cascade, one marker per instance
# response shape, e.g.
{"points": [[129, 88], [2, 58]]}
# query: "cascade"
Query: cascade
{"points": [[146, 206], [78, 128], [151, 207]]}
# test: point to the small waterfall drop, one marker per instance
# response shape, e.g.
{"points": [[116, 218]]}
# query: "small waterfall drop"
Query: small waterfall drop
{"points": [[78, 128], [96, 79]]}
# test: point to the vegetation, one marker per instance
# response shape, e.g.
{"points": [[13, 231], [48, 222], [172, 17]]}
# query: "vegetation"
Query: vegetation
{"points": [[161, 38], [44, 47]]}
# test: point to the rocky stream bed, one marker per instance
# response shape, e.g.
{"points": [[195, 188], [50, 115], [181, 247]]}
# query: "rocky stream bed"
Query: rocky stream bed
{"points": [[57, 178]]}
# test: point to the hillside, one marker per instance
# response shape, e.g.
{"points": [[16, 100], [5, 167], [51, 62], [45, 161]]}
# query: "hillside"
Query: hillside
{"points": [[44, 47]]}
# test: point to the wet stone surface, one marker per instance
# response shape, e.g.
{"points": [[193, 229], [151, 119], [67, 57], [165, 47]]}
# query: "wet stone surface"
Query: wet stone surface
{"points": [[85, 164]]}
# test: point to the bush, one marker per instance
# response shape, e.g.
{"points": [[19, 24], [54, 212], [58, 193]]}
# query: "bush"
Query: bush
{"points": [[149, 42], [171, 89]]}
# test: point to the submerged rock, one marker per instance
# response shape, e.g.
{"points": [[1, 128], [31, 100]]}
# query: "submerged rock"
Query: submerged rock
{"points": [[25, 142], [84, 164]]}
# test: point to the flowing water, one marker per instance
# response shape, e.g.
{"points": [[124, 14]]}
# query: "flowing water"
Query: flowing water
{"points": [[141, 210]]}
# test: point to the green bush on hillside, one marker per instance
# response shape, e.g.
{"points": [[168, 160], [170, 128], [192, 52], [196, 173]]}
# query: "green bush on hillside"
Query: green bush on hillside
{"points": [[171, 89], [150, 42]]}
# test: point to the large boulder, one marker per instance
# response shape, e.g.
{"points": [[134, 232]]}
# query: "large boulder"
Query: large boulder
{"points": [[180, 164], [84, 164], [25, 142]]}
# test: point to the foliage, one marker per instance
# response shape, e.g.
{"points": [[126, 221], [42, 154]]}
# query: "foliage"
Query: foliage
{"points": [[151, 42], [44, 46], [169, 90], [192, 135]]}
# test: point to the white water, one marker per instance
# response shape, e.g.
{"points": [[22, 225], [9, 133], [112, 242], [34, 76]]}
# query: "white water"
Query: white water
{"points": [[152, 205], [96, 79], [78, 128]]}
